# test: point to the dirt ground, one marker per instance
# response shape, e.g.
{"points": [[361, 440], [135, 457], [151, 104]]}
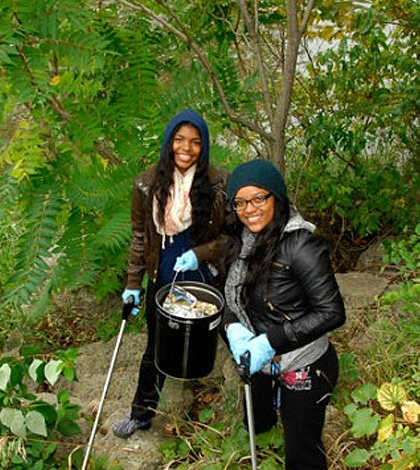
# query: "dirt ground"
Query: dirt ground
{"points": [[139, 452]]}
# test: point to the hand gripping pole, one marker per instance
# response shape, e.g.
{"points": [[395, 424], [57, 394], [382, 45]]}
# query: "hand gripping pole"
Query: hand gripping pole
{"points": [[243, 371], [127, 308]]}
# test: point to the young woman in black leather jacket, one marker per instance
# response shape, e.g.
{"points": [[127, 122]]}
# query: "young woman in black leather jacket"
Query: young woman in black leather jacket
{"points": [[282, 299]]}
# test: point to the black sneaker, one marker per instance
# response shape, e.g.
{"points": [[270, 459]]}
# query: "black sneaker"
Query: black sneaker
{"points": [[126, 427]]}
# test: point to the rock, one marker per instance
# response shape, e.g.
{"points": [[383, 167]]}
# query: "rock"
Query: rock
{"points": [[140, 451], [359, 289], [372, 258]]}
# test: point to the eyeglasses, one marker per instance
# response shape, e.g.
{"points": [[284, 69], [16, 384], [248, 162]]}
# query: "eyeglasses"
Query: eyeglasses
{"points": [[257, 201]]}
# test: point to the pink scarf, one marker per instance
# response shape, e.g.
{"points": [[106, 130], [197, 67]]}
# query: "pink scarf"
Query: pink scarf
{"points": [[178, 207]]}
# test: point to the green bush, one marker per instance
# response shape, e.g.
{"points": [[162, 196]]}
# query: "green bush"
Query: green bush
{"points": [[29, 426], [393, 427], [353, 205]]}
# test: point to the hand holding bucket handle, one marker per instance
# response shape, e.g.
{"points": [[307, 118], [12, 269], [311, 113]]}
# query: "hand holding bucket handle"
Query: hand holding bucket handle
{"points": [[244, 373]]}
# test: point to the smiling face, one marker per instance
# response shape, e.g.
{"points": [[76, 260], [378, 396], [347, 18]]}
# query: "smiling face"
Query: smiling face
{"points": [[255, 219], [187, 147]]}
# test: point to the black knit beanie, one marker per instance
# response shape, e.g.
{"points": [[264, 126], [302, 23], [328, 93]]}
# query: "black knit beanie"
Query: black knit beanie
{"points": [[260, 173]]}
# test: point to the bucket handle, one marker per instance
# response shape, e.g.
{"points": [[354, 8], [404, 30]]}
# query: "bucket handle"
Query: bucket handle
{"points": [[203, 277]]}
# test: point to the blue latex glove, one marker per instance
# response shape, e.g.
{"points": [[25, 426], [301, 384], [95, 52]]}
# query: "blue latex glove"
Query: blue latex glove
{"points": [[238, 337], [136, 295], [261, 352], [186, 262]]}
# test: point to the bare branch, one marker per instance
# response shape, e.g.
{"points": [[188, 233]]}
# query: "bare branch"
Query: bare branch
{"points": [[306, 17], [253, 30], [183, 34], [294, 35]]}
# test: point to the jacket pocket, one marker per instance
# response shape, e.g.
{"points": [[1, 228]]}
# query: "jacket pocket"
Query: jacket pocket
{"points": [[274, 308]]}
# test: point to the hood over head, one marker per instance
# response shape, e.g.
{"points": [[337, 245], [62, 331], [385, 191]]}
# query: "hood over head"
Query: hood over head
{"points": [[188, 116]]}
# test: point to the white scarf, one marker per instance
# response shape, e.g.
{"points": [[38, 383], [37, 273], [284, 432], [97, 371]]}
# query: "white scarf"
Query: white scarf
{"points": [[178, 210]]}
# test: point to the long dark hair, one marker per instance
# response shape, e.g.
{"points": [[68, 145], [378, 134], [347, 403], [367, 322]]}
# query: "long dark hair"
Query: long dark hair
{"points": [[202, 194], [263, 251]]}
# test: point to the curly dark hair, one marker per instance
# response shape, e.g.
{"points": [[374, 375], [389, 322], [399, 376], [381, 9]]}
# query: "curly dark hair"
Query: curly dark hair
{"points": [[202, 194], [264, 249]]}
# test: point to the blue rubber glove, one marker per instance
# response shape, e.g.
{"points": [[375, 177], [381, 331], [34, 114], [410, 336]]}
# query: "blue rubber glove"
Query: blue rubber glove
{"points": [[238, 337], [261, 352], [186, 262], [136, 295]]}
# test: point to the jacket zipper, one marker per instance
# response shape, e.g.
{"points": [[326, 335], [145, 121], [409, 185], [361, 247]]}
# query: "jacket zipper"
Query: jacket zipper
{"points": [[273, 308], [281, 265]]}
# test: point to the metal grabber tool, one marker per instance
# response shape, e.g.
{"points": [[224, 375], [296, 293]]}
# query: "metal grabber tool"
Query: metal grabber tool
{"points": [[243, 371], [127, 309]]}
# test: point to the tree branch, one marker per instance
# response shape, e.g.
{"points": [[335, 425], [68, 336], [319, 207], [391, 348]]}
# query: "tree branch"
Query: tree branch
{"points": [[253, 31], [306, 17], [184, 35], [294, 35]]}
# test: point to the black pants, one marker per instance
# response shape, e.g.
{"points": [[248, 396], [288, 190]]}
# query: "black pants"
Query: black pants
{"points": [[305, 395], [150, 381]]}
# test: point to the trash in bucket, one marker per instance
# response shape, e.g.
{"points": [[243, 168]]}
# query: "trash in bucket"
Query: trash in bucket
{"points": [[186, 340], [175, 305]]}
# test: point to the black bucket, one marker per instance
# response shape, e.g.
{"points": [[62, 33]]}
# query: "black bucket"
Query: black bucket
{"points": [[185, 348]]}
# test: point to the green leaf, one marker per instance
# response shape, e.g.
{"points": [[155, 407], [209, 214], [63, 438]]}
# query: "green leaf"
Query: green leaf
{"points": [[357, 458], [270, 463], [69, 373], [63, 397], [175, 449], [6, 416], [52, 371], [68, 427], [5, 373], [206, 415], [350, 410], [364, 424], [30, 350], [364, 393], [35, 423], [17, 423], [48, 411], [72, 411]]}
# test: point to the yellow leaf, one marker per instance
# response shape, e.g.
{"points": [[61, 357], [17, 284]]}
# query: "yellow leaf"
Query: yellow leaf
{"points": [[389, 395], [56, 80], [386, 428], [411, 411]]}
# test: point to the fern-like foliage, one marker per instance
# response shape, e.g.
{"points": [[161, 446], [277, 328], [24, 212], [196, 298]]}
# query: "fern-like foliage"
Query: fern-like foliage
{"points": [[85, 96], [36, 246], [85, 122]]}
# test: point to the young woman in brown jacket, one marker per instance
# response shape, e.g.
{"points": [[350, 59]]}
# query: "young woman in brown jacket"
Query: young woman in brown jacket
{"points": [[178, 212]]}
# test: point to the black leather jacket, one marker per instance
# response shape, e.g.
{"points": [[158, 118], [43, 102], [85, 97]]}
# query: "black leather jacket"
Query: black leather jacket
{"points": [[302, 300]]}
